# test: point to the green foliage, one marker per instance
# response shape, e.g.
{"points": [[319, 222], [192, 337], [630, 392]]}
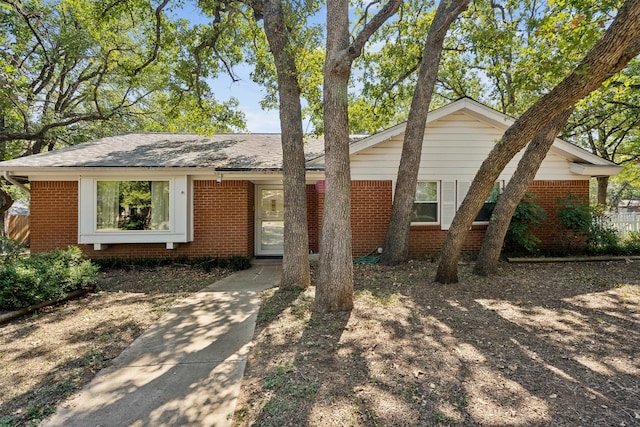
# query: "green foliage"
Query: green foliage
{"points": [[505, 56], [76, 70], [25, 281], [10, 250], [589, 223], [575, 213], [527, 216], [233, 263]]}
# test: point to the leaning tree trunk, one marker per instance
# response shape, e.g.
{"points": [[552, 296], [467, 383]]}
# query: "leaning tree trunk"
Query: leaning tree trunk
{"points": [[334, 290], [603, 186], [396, 242], [489, 256], [619, 44], [295, 261]]}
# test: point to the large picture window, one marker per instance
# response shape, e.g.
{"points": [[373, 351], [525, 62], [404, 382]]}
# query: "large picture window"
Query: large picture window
{"points": [[425, 206], [133, 210], [132, 205]]}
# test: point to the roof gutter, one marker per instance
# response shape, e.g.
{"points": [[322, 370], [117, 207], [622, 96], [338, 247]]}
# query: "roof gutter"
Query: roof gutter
{"points": [[10, 179]]}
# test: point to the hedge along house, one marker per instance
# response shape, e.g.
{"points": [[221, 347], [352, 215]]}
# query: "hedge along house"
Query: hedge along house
{"points": [[165, 195]]}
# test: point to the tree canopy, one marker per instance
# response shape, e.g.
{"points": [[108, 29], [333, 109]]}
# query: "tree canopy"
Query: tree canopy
{"points": [[77, 70]]}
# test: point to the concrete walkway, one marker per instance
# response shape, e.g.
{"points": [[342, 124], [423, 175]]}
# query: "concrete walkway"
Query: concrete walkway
{"points": [[184, 371]]}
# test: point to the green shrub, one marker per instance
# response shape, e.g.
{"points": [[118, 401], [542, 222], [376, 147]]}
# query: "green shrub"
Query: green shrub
{"points": [[589, 223], [527, 216], [10, 250], [234, 263], [43, 277]]}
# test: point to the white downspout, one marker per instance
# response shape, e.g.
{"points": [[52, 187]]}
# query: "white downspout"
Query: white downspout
{"points": [[16, 183]]}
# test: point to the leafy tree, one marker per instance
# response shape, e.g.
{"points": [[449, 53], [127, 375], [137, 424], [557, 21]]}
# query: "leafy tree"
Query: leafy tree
{"points": [[607, 123], [80, 70], [619, 44], [283, 28], [396, 243], [507, 204], [334, 289]]}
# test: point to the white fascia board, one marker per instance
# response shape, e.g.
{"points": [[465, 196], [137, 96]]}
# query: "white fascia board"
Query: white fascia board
{"points": [[578, 155], [586, 169]]}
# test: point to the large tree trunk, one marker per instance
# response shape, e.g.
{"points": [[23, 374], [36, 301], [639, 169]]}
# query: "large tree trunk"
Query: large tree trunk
{"points": [[334, 290], [619, 44], [334, 287], [489, 256], [603, 186], [396, 242], [295, 261]]}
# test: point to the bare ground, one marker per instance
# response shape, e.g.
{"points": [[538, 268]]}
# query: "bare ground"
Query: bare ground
{"points": [[47, 356], [538, 344]]}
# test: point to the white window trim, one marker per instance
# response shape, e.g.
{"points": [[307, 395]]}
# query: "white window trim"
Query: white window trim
{"points": [[448, 204], [180, 214], [438, 204]]}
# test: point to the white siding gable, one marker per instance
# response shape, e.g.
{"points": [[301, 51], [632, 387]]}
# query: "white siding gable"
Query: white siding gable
{"points": [[454, 148]]}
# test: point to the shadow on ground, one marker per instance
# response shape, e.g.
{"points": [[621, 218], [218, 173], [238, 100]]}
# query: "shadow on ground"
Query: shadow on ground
{"points": [[550, 344]]}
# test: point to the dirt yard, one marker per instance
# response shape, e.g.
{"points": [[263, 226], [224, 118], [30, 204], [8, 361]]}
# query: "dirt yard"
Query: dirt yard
{"points": [[47, 356], [539, 344]]}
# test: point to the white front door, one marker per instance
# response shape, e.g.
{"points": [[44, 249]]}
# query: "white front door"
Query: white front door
{"points": [[269, 220]]}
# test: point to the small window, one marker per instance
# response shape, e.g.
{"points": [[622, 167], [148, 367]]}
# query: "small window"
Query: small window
{"points": [[425, 206], [487, 209], [132, 205]]}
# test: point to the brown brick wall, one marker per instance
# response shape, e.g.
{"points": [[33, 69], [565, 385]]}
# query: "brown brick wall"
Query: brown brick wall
{"points": [[370, 212], [53, 215], [223, 222], [429, 239], [224, 219], [548, 194], [312, 218]]}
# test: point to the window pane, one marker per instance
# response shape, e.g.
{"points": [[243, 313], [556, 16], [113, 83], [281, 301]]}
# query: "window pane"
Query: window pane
{"points": [[425, 212], [427, 192], [108, 205], [485, 213], [487, 209], [132, 205]]}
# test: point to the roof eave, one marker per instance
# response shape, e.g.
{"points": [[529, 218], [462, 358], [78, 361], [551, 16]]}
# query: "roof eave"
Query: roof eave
{"points": [[591, 170]]}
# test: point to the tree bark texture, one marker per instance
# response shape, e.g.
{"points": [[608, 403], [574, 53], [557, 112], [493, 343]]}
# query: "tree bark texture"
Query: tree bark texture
{"points": [[603, 186], [334, 288], [295, 260], [619, 44], [489, 255], [396, 242]]}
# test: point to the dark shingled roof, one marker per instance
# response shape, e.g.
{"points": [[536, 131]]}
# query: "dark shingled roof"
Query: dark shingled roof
{"points": [[222, 152]]}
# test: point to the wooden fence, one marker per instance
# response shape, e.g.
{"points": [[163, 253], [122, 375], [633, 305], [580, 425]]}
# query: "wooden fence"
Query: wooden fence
{"points": [[18, 228]]}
